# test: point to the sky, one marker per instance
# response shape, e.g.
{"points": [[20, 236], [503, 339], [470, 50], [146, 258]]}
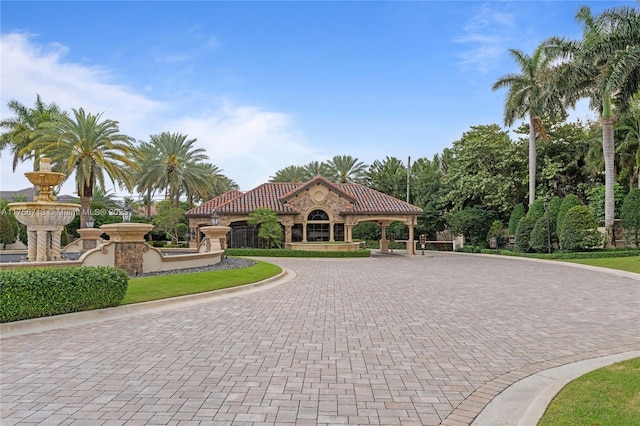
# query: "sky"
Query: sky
{"points": [[268, 84]]}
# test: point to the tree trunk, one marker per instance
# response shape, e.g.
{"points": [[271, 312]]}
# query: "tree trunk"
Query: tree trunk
{"points": [[608, 149], [85, 210], [532, 160]]}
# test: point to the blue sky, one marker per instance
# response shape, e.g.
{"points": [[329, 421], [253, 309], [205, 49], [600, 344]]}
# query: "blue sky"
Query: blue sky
{"points": [[263, 85]]}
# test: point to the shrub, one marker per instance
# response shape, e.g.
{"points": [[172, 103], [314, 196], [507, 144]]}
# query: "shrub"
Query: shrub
{"points": [[539, 239], [496, 231], [523, 233], [569, 201], [536, 210], [631, 216], [294, 253], [473, 223], [517, 214], [580, 230], [40, 292]]}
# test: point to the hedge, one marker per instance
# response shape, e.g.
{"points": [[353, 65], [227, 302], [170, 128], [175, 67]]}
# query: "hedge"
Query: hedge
{"points": [[294, 253], [40, 292], [569, 255]]}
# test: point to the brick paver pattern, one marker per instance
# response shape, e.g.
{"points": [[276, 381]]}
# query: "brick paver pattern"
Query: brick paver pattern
{"points": [[391, 340]]}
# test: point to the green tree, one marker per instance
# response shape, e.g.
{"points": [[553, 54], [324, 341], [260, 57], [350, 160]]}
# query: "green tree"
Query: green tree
{"points": [[289, 174], [604, 67], [486, 171], [21, 129], [389, 177], [89, 146], [631, 216], [530, 94], [175, 166], [517, 213], [628, 127], [569, 201], [427, 192], [268, 227], [473, 223], [536, 210], [318, 168], [169, 217], [496, 231], [580, 230], [539, 240], [523, 234], [596, 199], [347, 169]]}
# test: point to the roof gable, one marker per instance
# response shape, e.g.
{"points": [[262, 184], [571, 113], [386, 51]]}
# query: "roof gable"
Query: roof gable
{"points": [[319, 180], [207, 208]]}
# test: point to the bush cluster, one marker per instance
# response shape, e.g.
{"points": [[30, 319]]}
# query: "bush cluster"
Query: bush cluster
{"points": [[294, 253], [40, 292]]}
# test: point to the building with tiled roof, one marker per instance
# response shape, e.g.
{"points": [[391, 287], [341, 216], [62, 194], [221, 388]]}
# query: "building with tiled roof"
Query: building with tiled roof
{"points": [[313, 211]]}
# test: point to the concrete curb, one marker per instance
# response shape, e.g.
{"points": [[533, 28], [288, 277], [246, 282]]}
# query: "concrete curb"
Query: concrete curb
{"points": [[609, 271], [524, 402], [36, 325]]}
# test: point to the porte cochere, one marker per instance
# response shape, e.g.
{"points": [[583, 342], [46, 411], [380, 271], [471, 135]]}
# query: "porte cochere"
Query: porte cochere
{"points": [[313, 211]]}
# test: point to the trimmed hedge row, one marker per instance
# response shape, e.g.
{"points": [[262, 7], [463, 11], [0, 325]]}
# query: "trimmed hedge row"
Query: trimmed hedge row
{"points": [[568, 255], [40, 292], [294, 253]]}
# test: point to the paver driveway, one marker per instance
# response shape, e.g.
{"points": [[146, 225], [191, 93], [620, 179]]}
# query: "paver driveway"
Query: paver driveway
{"points": [[387, 340]]}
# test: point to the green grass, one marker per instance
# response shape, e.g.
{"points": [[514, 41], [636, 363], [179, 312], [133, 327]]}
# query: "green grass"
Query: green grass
{"points": [[144, 289], [629, 264], [607, 396]]}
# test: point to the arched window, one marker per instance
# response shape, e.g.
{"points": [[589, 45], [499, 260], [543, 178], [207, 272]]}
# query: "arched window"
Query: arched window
{"points": [[318, 215], [318, 231]]}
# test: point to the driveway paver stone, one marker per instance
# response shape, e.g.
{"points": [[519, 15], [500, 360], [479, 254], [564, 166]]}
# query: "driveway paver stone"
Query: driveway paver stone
{"points": [[391, 340]]}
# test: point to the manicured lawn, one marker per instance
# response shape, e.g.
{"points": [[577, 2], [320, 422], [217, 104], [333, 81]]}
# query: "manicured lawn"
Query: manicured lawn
{"points": [[607, 396], [630, 264], [144, 289]]}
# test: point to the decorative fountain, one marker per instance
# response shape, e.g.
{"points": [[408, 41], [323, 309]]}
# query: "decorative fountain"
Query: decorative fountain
{"points": [[45, 218]]}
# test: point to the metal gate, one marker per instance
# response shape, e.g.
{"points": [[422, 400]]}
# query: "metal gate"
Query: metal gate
{"points": [[243, 236]]}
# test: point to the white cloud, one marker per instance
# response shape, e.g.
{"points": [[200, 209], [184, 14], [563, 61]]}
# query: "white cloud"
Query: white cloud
{"points": [[487, 34], [249, 143]]}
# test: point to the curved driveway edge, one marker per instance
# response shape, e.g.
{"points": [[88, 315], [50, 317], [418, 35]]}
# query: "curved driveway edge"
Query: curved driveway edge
{"points": [[36, 325]]}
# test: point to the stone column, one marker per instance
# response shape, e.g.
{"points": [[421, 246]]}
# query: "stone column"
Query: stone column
{"points": [[304, 232], [348, 230], [32, 245], [130, 245], [331, 236], [215, 238], [90, 238], [55, 244], [41, 245], [411, 245], [384, 245]]}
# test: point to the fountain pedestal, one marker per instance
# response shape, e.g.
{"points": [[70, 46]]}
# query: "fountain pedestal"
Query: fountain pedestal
{"points": [[44, 218]]}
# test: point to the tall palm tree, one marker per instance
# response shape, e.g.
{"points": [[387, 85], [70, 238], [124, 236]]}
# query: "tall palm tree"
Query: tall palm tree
{"points": [[90, 147], [348, 169], [318, 168], [21, 129], [389, 177], [604, 66], [530, 94], [174, 165], [628, 126], [289, 174]]}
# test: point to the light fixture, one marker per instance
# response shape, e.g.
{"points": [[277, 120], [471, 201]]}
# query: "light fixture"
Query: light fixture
{"points": [[214, 218], [90, 221], [126, 212]]}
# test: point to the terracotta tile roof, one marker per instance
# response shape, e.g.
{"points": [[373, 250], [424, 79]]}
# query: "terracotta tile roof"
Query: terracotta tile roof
{"points": [[207, 208], [265, 195], [273, 195], [370, 201]]}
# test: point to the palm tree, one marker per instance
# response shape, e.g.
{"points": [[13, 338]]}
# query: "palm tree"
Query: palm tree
{"points": [[21, 129], [348, 169], [289, 174], [628, 126], [605, 68], [318, 168], [174, 164], [89, 147], [389, 177], [531, 94]]}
